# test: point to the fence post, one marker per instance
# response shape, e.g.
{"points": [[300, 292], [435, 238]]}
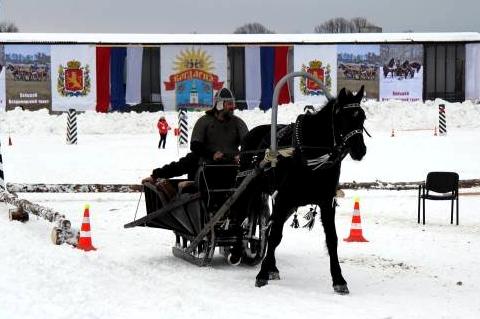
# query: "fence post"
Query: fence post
{"points": [[72, 127], [183, 127], [442, 122]]}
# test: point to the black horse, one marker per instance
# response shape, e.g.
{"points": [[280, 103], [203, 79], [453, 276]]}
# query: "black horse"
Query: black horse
{"points": [[310, 175]]}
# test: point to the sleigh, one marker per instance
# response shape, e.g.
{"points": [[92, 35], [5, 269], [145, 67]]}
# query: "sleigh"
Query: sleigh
{"points": [[206, 213], [221, 208]]}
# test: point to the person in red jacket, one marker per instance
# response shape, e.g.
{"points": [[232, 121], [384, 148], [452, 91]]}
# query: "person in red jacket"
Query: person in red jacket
{"points": [[163, 128]]}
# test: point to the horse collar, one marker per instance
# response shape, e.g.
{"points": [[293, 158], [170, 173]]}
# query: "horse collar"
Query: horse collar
{"points": [[322, 161], [299, 131]]}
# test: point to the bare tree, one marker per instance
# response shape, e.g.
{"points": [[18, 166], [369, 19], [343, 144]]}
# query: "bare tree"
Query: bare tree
{"points": [[361, 24], [8, 27], [335, 25], [251, 28], [342, 25]]}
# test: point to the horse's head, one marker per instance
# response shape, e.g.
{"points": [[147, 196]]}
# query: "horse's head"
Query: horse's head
{"points": [[348, 123]]}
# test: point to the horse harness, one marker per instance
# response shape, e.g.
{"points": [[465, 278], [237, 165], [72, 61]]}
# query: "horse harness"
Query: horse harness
{"points": [[324, 161], [333, 155]]}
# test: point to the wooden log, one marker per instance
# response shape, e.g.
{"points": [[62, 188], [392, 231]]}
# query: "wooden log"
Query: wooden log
{"points": [[62, 232], [467, 183], [134, 188], [73, 188]]}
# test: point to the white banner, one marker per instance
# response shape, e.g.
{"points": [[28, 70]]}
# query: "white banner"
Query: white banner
{"points": [[472, 71], [73, 77], [318, 60], [2, 78], [401, 72], [253, 77], [191, 74], [133, 94]]}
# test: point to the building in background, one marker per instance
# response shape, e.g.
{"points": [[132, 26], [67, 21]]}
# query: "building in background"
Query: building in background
{"points": [[150, 72]]}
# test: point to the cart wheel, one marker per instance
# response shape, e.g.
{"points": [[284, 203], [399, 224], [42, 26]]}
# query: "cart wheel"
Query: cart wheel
{"points": [[255, 239], [233, 259], [230, 259]]}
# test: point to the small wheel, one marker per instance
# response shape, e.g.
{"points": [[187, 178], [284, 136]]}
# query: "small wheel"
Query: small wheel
{"points": [[234, 260]]}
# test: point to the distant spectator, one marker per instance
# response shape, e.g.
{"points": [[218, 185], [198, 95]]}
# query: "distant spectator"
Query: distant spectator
{"points": [[163, 128]]}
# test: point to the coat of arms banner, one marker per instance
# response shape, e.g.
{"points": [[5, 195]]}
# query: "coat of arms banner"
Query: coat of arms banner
{"points": [[73, 77], [320, 61]]}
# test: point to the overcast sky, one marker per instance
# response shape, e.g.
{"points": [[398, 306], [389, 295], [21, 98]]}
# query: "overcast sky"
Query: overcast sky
{"points": [[223, 16]]}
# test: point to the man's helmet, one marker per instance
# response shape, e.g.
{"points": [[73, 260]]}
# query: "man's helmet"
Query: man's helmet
{"points": [[223, 95]]}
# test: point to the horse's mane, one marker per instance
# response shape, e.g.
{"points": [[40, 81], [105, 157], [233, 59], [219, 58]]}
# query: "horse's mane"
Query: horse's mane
{"points": [[317, 126]]}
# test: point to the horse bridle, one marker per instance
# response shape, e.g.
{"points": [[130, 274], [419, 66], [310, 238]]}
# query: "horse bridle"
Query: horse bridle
{"points": [[350, 134], [339, 147]]}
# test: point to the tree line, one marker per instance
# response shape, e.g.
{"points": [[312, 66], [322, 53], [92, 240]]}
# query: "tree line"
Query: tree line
{"points": [[334, 25], [8, 27]]}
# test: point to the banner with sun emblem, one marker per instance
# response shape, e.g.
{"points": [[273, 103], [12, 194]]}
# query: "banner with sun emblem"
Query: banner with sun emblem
{"points": [[73, 77], [191, 75], [320, 61]]}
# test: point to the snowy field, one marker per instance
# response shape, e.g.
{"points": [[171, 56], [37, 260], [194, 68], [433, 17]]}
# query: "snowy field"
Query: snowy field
{"points": [[406, 270]]}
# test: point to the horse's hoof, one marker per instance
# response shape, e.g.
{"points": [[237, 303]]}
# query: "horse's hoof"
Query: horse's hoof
{"points": [[274, 275], [261, 282], [341, 289]]}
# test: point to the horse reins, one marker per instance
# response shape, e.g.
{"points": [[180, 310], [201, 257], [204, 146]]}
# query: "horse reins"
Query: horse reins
{"points": [[339, 150]]}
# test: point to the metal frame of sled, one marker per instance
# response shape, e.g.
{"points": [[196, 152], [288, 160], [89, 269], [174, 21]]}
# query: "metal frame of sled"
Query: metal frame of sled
{"points": [[198, 229]]}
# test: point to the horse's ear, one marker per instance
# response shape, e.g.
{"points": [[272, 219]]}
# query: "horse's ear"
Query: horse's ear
{"points": [[360, 93]]}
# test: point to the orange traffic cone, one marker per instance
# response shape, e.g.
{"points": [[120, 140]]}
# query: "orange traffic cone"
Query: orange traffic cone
{"points": [[9, 141], [85, 240], [356, 228]]}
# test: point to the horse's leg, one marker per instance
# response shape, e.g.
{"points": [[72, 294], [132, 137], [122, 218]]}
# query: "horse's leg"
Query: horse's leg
{"points": [[269, 270], [328, 222]]}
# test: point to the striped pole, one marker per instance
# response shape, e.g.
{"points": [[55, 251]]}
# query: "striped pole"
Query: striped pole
{"points": [[72, 127], [2, 178], [183, 128], [442, 127]]}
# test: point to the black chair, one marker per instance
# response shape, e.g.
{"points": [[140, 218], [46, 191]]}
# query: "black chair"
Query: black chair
{"points": [[445, 187]]}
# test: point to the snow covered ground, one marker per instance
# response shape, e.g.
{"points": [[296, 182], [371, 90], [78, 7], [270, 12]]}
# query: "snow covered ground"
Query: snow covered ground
{"points": [[406, 270]]}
